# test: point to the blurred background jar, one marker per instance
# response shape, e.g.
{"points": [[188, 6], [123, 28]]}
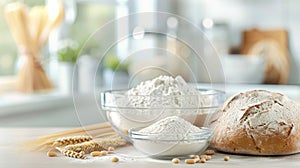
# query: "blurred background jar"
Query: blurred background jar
{"points": [[217, 32]]}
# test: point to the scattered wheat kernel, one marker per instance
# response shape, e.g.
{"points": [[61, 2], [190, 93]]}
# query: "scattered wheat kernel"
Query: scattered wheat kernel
{"points": [[208, 158], [95, 153], [226, 158], [114, 159], [202, 160], [110, 148], [110, 152], [103, 153], [209, 152], [51, 153], [203, 156], [175, 160], [189, 161], [195, 156]]}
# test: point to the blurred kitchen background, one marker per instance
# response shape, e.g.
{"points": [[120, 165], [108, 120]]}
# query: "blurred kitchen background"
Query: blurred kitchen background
{"points": [[233, 45]]}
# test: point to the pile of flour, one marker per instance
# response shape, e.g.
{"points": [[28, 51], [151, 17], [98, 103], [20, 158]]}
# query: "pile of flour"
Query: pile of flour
{"points": [[164, 91], [171, 125], [172, 137], [156, 99]]}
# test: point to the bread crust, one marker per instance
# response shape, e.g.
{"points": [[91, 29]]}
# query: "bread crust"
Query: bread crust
{"points": [[258, 123]]}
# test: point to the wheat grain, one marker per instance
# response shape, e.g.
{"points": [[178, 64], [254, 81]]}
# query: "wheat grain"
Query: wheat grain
{"points": [[96, 153], [189, 161], [202, 160], [226, 158], [98, 145], [114, 159], [51, 153], [175, 160], [64, 141], [103, 153], [209, 152], [203, 156]]}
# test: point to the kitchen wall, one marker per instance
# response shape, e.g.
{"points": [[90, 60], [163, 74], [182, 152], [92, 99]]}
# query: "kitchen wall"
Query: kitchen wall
{"points": [[238, 14], [247, 14]]}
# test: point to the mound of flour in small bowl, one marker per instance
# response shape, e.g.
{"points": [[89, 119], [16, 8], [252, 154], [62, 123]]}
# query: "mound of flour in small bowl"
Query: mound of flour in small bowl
{"points": [[173, 128], [171, 137]]}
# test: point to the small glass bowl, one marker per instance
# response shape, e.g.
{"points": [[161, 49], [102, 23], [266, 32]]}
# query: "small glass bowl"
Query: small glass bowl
{"points": [[131, 111], [171, 145]]}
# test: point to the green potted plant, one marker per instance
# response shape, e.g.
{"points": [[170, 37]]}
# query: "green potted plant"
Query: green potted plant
{"points": [[115, 70], [67, 57]]}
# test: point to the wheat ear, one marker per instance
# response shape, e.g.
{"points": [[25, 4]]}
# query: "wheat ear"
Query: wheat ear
{"points": [[97, 145], [64, 141], [71, 153]]}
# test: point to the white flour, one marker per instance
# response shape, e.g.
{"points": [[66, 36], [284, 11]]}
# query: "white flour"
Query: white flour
{"points": [[163, 85], [171, 125], [172, 136], [156, 99], [164, 91], [171, 128]]}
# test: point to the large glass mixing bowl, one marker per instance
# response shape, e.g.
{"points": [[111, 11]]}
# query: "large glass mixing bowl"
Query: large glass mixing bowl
{"points": [[131, 111]]}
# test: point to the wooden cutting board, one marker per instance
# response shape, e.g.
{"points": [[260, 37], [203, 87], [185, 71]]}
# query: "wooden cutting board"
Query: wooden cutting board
{"points": [[273, 45]]}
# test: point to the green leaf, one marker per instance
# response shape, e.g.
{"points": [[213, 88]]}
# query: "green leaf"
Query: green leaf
{"points": [[113, 63], [68, 53]]}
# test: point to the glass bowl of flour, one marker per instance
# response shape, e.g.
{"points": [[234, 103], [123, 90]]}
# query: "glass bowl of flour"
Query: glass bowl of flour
{"points": [[170, 137], [156, 99]]}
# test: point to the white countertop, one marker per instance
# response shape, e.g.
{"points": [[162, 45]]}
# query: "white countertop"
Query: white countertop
{"points": [[16, 103], [13, 156]]}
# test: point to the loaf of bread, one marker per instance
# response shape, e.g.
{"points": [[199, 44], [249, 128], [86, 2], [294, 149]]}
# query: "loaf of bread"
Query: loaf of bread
{"points": [[258, 122]]}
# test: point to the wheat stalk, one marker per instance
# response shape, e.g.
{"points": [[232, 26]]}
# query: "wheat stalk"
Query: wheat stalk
{"points": [[64, 141], [78, 131], [44, 143], [30, 30], [97, 145]]}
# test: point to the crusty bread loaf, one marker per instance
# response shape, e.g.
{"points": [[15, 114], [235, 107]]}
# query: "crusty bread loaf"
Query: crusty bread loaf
{"points": [[258, 122]]}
